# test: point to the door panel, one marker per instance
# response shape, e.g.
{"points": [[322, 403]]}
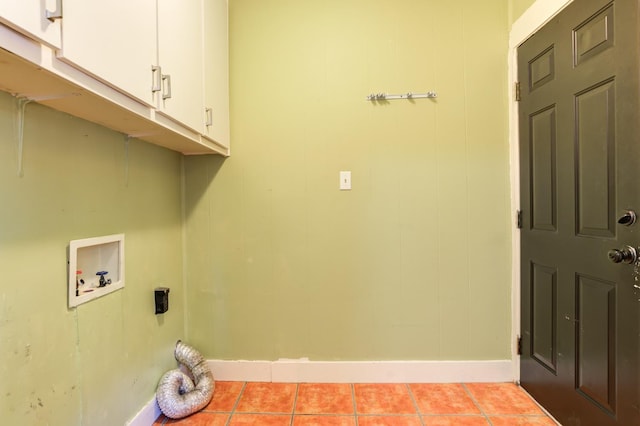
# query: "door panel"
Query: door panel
{"points": [[543, 169], [595, 156], [594, 35], [579, 172], [596, 341], [542, 69], [544, 310]]}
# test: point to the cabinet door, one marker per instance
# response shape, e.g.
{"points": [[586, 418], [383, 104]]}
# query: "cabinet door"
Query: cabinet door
{"points": [[114, 41], [180, 55], [216, 70], [30, 18]]}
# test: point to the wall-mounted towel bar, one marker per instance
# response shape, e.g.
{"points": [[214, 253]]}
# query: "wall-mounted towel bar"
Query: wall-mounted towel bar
{"points": [[409, 95]]}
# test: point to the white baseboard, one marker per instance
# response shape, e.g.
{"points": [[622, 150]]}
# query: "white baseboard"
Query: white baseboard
{"points": [[305, 371], [241, 371], [147, 415]]}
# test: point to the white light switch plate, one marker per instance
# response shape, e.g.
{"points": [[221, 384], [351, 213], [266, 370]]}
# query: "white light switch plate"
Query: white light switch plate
{"points": [[345, 181]]}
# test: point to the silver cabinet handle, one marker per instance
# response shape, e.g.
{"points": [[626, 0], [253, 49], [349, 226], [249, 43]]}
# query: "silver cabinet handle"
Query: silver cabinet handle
{"points": [[209, 115], [156, 77], [166, 87], [56, 14]]}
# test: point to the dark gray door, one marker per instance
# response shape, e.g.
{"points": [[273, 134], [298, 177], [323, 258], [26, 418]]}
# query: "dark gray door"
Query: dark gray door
{"points": [[580, 174]]}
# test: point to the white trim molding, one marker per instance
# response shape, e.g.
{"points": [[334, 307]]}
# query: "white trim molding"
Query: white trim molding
{"points": [[305, 371], [538, 14], [147, 415]]}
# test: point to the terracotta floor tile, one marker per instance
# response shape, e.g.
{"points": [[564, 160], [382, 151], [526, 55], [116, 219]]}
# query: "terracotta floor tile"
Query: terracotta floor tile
{"points": [[502, 398], [260, 419], [324, 398], [225, 396], [448, 398], [389, 421], [383, 399], [160, 420], [521, 421], [455, 421], [201, 419], [306, 420], [272, 404], [267, 398]]}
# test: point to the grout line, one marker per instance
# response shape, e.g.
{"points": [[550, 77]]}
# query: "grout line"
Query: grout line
{"points": [[471, 415], [295, 401], [264, 413], [397, 416], [233, 409], [544, 410], [326, 415], [415, 404], [464, 386], [409, 416], [353, 402]]}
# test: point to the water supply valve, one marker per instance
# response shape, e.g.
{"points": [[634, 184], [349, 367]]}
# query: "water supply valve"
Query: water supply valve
{"points": [[103, 281]]}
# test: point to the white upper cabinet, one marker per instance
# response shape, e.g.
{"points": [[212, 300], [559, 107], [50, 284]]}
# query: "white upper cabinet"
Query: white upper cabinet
{"points": [[157, 70], [216, 70], [114, 41], [36, 19], [180, 59]]}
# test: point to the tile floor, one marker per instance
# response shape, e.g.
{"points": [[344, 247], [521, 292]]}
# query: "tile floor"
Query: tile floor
{"points": [[314, 404]]}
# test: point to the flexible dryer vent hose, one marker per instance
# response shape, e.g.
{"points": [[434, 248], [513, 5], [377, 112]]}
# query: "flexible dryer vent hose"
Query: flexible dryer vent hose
{"points": [[178, 396]]}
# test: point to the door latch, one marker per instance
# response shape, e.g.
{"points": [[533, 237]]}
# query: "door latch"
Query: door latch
{"points": [[628, 218], [626, 254]]}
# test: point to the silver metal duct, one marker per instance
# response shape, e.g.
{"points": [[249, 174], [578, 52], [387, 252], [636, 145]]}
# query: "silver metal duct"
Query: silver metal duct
{"points": [[178, 396]]}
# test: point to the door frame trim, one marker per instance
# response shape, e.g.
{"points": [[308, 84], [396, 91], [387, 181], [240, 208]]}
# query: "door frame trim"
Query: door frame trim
{"points": [[538, 14]]}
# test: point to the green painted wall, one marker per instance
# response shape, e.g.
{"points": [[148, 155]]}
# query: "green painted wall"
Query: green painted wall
{"points": [[517, 8], [415, 261], [100, 363]]}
